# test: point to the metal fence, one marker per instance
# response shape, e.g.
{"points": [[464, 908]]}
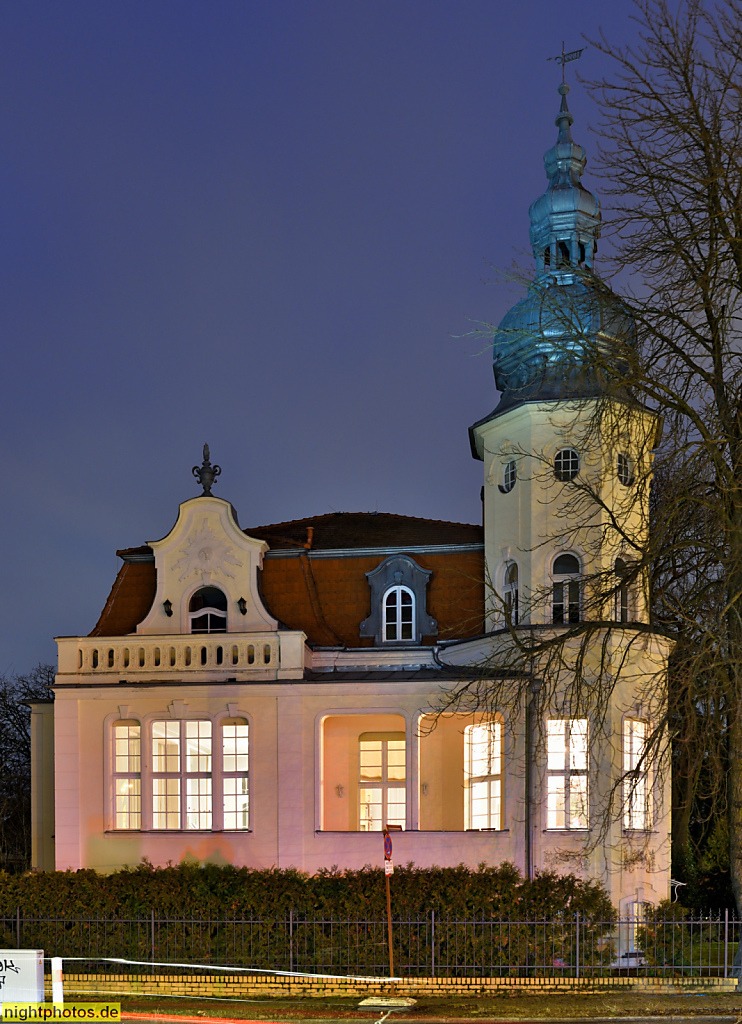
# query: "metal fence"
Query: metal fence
{"points": [[569, 945]]}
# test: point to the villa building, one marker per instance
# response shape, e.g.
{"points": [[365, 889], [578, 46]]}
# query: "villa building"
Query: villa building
{"points": [[268, 696]]}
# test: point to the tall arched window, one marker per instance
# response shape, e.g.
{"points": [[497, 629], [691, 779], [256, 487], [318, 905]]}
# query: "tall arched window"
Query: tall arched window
{"points": [[127, 775], [510, 594], [399, 614], [483, 775], [207, 611], [565, 601], [636, 788]]}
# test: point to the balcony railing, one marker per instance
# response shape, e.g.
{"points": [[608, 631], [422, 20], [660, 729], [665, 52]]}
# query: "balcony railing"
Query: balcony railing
{"points": [[163, 656]]}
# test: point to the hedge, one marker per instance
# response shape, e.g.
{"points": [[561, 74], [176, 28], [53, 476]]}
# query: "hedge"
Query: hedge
{"points": [[229, 892]]}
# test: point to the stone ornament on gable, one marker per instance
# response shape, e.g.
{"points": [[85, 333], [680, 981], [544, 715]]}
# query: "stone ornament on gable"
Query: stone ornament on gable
{"points": [[207, 554]]}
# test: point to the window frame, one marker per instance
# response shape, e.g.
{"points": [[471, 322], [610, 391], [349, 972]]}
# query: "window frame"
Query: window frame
{"points": [[492, 779], [128, 775], [561, 472], [573, 582], [622, 598], [509, 477], [510, 594], [637, 782], [399, 589], [568, 773], [210, 611], [217, 775], [384, 783]]}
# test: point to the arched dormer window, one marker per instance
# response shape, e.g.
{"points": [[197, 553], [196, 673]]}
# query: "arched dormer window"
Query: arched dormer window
{"points": [[622, 591], [510, 594], [565, 599], [207, 611], [399, 614]]}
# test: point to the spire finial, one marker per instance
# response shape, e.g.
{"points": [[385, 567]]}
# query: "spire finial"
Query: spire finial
{"points": [[206, 474], [565, 58]]}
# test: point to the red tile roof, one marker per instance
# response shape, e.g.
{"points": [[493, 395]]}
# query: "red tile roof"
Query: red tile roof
{"points": [[329, 597]]}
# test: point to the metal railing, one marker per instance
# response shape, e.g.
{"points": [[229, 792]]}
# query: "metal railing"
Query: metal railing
{"points": [[568, 946]]}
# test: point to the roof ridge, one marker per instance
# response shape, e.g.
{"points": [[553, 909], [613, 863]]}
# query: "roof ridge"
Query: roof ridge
{"points": [[391, 515]]}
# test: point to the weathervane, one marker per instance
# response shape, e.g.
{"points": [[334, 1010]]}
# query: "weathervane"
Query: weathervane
{"points": [[564, 58], [206, 474]]}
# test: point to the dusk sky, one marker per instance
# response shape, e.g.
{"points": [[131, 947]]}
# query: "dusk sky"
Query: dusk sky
{"points": [[266, 225]]}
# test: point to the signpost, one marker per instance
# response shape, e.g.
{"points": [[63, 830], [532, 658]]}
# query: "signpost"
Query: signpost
{"points": [[389, 870]]}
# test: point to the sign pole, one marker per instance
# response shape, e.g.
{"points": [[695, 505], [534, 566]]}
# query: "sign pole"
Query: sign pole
{"points": [[388, 869]]}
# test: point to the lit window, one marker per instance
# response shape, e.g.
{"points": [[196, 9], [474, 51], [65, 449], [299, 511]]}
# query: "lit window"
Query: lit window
{"points": [[207, 611], [567, 789], [127, 775], [509, 476], [382, 775], [566, 464], [175, 778], [483, 773], [622, 591], [635, 788], [565, 594], [510, 594], [235, 773], [624, 469], [399, 614]]}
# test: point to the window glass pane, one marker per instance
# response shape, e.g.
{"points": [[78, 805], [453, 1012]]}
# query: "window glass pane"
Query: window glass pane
{"points": [[566, 565], [166, 803], [198, 803], [370, 757], [370, 804], [235, 747], [236, 804], [128, 803], [578, 744], [578, 801], [127, 749], [396, 806], [555, 802], [555, 744], [200, 624], [396, 759], [198, 746], [166, 747]]}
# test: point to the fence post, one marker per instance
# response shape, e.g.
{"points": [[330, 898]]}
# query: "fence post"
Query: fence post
{"points": [[18, 926], [577, 950], [432, 943], [726, 942], [291, 941], [153, 936]]}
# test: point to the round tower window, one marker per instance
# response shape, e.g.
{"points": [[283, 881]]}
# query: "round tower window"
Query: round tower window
{"points": [[566, 464], [509, 476], [624, 469]]}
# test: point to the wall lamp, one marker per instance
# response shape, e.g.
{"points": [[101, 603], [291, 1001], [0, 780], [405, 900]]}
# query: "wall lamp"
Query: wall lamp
{"points": [[242, 605], [168, 606]]}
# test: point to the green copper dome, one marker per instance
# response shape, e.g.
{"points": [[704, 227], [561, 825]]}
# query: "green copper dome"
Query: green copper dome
{"points": [[545, 345]]}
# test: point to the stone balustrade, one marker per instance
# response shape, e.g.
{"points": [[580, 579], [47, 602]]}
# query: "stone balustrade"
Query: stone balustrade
{"points": [[229, 654]]}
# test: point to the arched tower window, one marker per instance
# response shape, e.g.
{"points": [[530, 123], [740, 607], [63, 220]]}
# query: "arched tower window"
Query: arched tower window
{"points": [[207, 611], [399, 614], [565, 600], [622, 591], [510, 594]]}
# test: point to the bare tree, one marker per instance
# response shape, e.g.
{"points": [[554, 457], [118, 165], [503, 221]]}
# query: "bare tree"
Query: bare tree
{"points": [[671, 163], [15, 761]]}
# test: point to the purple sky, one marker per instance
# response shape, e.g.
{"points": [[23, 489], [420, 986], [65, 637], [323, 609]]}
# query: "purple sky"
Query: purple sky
{"points": [[262, 225]]}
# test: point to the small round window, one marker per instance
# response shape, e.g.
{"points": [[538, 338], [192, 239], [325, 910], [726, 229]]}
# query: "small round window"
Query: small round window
{"points": [[509, 476], [566, 464], [624, 469]]}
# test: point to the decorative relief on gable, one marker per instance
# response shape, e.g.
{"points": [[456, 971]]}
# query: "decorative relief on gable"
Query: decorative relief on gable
{"points": [[207, 554]]}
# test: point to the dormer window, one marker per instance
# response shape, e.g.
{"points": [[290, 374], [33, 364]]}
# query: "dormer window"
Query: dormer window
{"points": [[398, 603], [399, 614], [207, 611]]}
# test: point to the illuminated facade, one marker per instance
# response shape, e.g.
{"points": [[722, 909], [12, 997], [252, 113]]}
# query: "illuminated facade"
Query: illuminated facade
{"points": [[267, 696]]}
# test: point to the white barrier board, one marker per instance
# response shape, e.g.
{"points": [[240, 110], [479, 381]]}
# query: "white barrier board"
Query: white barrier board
{"points": [[21, 976]]}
